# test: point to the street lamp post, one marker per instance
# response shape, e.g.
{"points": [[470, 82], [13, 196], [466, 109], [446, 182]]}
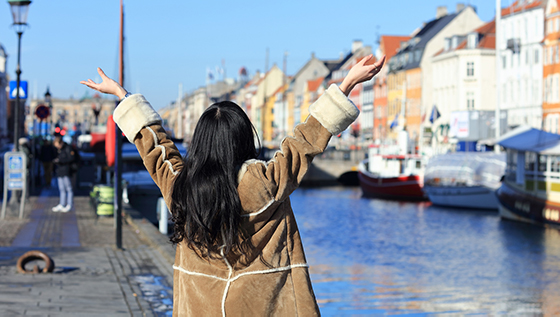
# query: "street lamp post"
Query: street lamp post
{"points": [[96, 107], [48, 101], [19, 14]]}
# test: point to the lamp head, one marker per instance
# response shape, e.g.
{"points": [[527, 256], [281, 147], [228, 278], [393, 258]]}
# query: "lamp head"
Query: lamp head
{"points": [[19, 13]]}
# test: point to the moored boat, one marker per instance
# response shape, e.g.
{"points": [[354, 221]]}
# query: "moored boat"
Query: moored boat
{"points": [[465, 179], [530, 191], [393, 177]]}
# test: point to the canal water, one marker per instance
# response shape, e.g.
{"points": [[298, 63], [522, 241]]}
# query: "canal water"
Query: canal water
{"points": [[377, 257]]}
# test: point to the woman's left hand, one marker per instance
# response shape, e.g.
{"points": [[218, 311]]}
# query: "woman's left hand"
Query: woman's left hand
{"points": [[107, 85]]}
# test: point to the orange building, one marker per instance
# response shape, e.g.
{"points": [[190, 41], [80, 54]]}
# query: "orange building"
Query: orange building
{"points": [[551, 68], [388, 46], [311, 92], [413, 102]]}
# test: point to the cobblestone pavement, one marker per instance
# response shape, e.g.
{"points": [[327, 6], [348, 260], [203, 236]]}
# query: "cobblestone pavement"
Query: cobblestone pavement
{"points": [[91, 278]]}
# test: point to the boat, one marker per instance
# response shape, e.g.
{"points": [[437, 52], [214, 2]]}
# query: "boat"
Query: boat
{"points": [[530, 191], [393, 176], [465, 179]]}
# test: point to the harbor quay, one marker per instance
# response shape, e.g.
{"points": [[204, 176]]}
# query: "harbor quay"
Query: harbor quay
{"points": [[91, 277]]}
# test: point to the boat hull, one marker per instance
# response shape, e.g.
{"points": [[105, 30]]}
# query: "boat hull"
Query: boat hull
{"points": [[475, 197], [400, 188], [518, 205]]}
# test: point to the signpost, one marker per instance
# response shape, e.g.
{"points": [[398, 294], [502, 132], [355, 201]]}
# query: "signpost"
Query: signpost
{"points": [[15, 178], [42, 112], [22, 89]]}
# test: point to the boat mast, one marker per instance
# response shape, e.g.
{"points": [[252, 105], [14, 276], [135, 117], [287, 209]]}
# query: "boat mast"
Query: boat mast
{"points": [[118, 146], [498, 59]]}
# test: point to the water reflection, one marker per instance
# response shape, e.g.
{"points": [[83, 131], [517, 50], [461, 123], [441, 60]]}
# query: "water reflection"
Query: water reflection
{"points": [[371, 256]]}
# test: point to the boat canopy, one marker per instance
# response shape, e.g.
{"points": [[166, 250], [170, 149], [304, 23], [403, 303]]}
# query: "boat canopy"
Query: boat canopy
{"points": [[466, 169], [529, 139]]}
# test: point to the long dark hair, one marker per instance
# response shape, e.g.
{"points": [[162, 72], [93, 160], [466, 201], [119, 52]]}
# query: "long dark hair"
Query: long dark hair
{"points": [[205, 204]]}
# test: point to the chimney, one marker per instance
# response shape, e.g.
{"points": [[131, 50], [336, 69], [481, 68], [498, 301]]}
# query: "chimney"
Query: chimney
{"points": [[460, 7], [356, 45], [441, 12], [312, 55]]}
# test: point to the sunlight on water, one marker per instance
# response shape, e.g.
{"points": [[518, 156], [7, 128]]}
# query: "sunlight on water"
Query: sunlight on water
{"points": [[370, 256]]}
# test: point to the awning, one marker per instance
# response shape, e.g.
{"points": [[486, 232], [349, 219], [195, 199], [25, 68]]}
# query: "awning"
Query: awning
{"points": [[530, 139]]}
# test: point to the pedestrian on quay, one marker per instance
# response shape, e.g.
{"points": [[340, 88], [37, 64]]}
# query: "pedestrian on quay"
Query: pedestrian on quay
{"points": [[238, 246], [47, 154], [65, 156]]}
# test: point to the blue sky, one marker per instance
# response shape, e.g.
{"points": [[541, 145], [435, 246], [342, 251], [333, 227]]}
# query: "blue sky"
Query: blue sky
{"points": [[176, 42]]}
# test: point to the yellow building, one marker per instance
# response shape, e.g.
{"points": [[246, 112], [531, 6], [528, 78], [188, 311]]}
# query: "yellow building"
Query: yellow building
{"points": [[395, 95], [260, 106], [267, 117]]}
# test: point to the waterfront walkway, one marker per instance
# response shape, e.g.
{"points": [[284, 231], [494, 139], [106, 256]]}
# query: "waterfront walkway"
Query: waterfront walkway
{"points": [[91, 276]]}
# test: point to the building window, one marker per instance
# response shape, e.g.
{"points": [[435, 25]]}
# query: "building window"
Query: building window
{"points": [[546, 90], [555, 88], [504, 62], [470, 69], [470, 100], [536, 56], [417, 55]]}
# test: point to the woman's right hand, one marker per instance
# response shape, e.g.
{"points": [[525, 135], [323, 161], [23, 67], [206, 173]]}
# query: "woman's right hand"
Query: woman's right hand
{"points": [[107, 85], [361, 72]]}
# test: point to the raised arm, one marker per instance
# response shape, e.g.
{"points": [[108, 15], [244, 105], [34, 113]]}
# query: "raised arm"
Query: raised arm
{"points": [[331, 114], [142, 126]]}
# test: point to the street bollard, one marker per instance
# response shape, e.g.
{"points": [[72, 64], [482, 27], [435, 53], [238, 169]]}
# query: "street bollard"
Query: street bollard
{"points": [[162, 212]]}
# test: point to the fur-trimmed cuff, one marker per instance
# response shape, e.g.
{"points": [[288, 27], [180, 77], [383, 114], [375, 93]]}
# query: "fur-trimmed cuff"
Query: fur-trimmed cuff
{"points": [[133, 114], [334, 110]]}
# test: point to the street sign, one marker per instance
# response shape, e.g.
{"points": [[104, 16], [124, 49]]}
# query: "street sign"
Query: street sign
{"points": [[42, 112], [15, 178], [22, 89]]}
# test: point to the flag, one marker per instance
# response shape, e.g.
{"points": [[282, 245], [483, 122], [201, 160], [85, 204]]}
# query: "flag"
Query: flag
{"points": [[209, 75], [435, 114], [395, 122]]}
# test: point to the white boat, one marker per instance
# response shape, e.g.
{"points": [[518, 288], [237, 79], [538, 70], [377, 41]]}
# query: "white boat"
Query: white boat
{"points": [[465, 179]]}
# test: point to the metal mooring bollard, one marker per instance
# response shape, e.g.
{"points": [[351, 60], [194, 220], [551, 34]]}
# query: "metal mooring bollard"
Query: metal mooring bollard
{"points": [[32, 256]]}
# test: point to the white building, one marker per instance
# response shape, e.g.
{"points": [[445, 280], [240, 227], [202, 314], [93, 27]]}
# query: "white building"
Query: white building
{"points": [[463, 75], [521, 71], [367, 116], [3, 95], [462, 21]]}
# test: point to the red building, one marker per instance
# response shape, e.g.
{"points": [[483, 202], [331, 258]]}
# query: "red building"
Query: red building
{"points": [[388, 46]]}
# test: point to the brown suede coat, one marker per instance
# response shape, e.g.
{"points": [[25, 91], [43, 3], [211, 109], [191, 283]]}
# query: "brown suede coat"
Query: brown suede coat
{"points": [[273, 280]]}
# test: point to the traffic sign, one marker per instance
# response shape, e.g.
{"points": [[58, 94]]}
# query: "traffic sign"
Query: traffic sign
{"points": [[15, 178], [22, 89], [42, 112]]}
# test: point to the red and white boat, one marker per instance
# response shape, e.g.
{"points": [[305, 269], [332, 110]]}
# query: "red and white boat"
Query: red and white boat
{"points": [[393, 176]]}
